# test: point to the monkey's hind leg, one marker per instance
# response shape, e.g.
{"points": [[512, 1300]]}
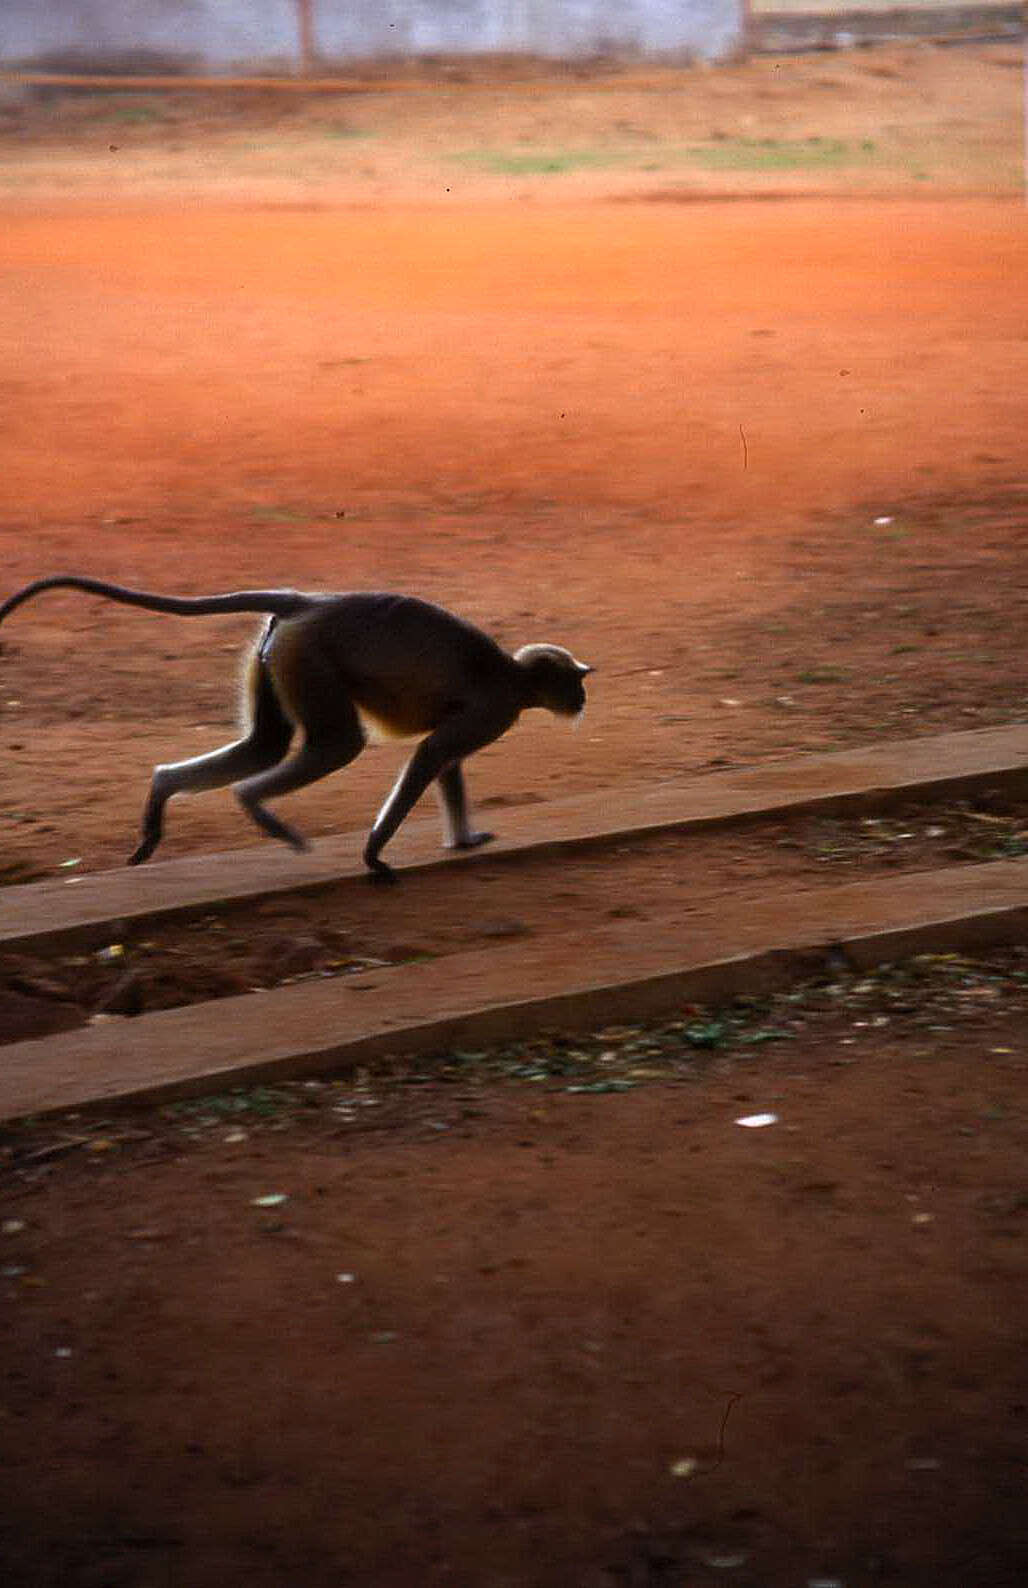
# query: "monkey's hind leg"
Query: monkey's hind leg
{"points": [[314, 760], [459, 834], [264, 746]]}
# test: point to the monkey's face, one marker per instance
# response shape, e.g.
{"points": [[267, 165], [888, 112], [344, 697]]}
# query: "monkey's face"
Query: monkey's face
{"points": [[555, 678]]}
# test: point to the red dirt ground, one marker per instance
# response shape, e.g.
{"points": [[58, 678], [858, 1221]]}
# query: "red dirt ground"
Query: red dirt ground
{"points": [[534, 418], [592, 409], [614, 1341]]}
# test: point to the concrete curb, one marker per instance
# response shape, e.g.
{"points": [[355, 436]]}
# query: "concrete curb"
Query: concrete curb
{"points": [[624, 970], [88, 911]]}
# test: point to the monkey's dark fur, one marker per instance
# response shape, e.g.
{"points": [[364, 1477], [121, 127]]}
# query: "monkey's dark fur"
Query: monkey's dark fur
{"points": [[343, 669]]}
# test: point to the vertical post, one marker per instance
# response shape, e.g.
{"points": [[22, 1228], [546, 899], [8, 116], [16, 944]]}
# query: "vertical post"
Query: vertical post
{"points": [[305, 18], [746, 29]]}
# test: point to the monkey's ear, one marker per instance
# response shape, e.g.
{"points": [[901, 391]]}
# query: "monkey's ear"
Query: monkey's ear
{"points": [[582, 668]]}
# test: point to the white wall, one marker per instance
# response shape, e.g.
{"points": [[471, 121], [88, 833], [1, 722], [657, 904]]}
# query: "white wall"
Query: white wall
{"points": [[223, 32]]}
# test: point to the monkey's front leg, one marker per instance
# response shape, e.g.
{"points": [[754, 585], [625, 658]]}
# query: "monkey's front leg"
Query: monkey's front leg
{"points": [[438, 756], [453, 797]]}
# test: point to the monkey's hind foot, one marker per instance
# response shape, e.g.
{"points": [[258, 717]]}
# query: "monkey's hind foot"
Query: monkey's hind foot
{"points": [[143, 852], [276, 829]]}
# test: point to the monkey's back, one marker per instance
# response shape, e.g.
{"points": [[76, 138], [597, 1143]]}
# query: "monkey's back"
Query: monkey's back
{"points": [[405, 664]]}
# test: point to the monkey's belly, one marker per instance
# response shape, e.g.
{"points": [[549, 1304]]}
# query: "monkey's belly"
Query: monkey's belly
{"points": [[378, 731]]}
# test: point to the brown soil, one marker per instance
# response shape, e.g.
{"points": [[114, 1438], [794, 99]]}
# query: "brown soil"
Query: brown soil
{"points": [[762, 462], [594, 1332]]}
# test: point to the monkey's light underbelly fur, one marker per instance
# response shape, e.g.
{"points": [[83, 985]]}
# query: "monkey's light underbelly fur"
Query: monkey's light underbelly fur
{"points": [[376, 731]]}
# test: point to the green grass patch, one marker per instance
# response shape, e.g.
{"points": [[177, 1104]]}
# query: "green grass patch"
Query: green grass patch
{"points": [[139, 114], [265, 1101], [340, 131], [729, 154], [822, 675], [536, 162], [277, 515], [781, 154]]}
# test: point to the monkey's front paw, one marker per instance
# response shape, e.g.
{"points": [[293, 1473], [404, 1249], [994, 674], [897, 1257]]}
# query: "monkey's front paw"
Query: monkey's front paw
{"points": [[379, 872], [474, 840], [144, 852]]}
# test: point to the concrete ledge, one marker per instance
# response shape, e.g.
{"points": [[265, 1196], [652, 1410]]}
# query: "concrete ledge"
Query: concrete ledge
{"points": [[620, 971], [86, 911]]}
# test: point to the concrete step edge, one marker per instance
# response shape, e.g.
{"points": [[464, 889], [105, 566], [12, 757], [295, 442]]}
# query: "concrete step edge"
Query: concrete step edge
{"points": [[87, 911], [624, 970]]}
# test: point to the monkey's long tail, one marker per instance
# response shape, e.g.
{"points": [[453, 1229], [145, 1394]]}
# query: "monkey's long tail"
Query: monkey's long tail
{"points": [[280, 603]]}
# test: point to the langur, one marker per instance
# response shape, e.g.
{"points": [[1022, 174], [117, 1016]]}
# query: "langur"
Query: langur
{"points": [[346, 670]]}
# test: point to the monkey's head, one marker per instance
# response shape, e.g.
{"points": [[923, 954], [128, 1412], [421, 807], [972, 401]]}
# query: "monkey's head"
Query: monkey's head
{"points": [[554, 678]]}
